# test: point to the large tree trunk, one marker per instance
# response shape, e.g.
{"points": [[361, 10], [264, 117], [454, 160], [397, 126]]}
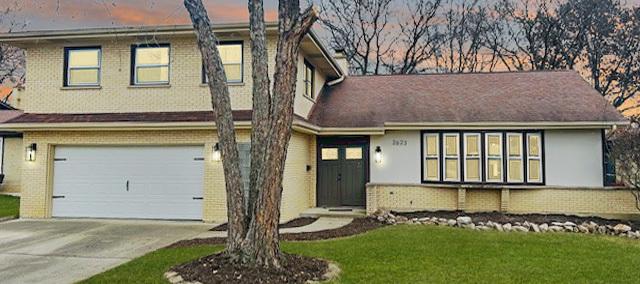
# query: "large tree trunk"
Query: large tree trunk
{"points": [[253, 228], [221, 104]]}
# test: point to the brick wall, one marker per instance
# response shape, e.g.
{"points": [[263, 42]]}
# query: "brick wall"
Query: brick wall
{"points": [[44, 92], [12, 165], [37, 175], [581, 201]]}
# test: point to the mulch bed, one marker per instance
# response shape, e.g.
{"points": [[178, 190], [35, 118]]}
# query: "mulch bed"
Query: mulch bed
{"points": [[217, 269], [357, 226], [512, 218], [295, 223]]}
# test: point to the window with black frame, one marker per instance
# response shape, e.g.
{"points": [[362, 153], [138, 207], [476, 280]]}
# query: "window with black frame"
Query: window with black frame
{"points": [[493, 157], [82, 66]]}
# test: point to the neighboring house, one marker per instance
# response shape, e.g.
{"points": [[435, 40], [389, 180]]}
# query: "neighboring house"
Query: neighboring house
{"points": [[118, 124]]}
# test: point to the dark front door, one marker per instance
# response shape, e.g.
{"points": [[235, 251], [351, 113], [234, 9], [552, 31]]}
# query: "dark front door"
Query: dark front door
{"points": [[342, 173]]}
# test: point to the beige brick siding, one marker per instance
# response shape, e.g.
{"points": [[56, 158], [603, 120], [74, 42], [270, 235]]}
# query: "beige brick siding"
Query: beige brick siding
{"points": [[581, 201], [37, 175], [45, 62], [12, 165]]}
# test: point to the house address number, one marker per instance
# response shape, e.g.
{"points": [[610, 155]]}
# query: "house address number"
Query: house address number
{"points": [[400, 142]]}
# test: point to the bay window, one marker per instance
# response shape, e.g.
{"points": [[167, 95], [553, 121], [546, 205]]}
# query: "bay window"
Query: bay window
{"points": [[432, 157], [472, 158], [492, 157]]}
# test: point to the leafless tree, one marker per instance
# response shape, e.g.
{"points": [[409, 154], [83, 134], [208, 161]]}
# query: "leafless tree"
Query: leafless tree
{"points": [[362, 29], [419, 40], [464, 29], [624, 151], [253, 226], [12, 61]]}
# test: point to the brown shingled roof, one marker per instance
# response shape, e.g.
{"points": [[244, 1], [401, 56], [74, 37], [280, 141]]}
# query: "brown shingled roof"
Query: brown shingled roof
{"points": [[552, 96]]}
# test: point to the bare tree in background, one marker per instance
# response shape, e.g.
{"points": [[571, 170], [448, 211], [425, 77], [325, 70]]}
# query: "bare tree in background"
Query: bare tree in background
{"points": [[253, 225], [362, 29], [419, 40], [12, 62], [464, 29], [626, 78]]}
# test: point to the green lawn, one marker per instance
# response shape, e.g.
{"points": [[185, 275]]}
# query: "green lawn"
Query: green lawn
{"points": [[9, 206], [410, 254]]}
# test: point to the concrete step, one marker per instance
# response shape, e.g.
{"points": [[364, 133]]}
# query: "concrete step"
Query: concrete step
{"points": [[346, 212]]}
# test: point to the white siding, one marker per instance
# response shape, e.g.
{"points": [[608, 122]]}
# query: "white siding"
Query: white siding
{"points": [[400, 163], [573, 158]]}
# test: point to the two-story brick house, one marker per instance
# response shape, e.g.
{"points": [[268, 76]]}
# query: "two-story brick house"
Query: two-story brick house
{"points": [[117, 123]]}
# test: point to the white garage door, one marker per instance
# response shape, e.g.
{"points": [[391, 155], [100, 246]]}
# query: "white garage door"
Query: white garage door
{"points": [[128, 182]]}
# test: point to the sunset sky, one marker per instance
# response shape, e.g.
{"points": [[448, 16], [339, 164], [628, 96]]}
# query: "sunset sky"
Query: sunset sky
{"points": [[47, 14]]}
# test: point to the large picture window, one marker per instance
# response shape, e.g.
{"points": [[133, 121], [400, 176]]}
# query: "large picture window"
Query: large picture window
{"points": [[150, 64], [82, 66], [493, 157]]}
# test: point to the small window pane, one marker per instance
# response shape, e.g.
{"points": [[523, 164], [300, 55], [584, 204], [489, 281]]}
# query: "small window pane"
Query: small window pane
{"points": [[329, 154], [515, 146], [230, 53], [515, 170], [84, 58], [234, 72], [432, 169], [153, 74], [451, 143], [451, 167], [534, 170], [432, 145], [472, 169], [494, 145], [83, 76], [152, 56], [494, 169], [472, 145], [534, 142], [354, 153]]}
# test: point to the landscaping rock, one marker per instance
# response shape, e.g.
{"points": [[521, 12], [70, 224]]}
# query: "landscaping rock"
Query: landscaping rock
{"points": [[535, 227], [520, 229], [621, 228], [451, 223], [507, 227], [463, 220], [555, 228], [583, 229], [499, 227], [544, 227]]}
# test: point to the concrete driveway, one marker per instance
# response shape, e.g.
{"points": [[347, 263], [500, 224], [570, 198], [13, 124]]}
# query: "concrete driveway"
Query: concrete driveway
{"points": [[66, 251]]}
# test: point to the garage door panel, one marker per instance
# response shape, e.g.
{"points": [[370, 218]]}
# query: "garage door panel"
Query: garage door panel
{"points": [[162, 182]]}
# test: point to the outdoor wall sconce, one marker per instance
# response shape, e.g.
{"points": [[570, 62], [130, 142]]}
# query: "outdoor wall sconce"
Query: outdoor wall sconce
{"points": [[216, 152], [30, 154], [378, 156]]}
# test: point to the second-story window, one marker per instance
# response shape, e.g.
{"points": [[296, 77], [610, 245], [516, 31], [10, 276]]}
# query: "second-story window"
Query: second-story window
{"points": [[231, 55], [82, 66], [150, 64], [309, 78]]}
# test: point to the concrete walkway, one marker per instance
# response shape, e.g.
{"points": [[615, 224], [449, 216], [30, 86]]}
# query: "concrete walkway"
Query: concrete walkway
{"points": [[323, 223], [67, 251]]}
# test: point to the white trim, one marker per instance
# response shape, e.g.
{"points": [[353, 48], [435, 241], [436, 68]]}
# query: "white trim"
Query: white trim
{"points": [[502, 125], [538, 158], [510, 158], [486, 157], [450, 157], [436, 156], [468, 157]]}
